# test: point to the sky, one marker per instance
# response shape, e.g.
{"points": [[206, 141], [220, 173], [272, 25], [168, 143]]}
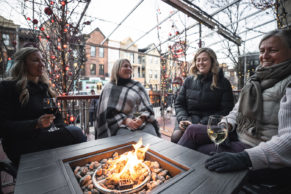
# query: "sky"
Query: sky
{"points": [[107, 14]]}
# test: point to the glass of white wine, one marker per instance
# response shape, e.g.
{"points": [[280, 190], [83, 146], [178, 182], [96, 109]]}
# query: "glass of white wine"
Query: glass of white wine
{"points": [[216, 131]]}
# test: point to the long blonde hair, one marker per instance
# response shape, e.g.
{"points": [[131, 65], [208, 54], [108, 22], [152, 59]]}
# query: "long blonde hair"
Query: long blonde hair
{"points": [[115, 70], [214, 66], [19, 73]]}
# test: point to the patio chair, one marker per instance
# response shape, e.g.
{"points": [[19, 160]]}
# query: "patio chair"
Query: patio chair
{"points": [[272, 181], [8, 167]]}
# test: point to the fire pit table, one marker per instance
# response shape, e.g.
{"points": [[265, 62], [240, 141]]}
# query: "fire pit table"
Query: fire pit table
{"points": [[52, 171]]}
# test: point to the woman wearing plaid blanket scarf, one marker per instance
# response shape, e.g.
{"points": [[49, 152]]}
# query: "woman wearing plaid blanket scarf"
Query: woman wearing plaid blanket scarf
{"points": [[121, 99]]}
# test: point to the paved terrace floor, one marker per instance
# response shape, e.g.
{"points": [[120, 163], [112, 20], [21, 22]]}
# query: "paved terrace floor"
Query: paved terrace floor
{"points": [[166, 123]]}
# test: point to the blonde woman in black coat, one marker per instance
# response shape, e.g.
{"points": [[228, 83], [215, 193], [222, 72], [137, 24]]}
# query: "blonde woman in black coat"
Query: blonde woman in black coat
{"points": [[24, 125]]}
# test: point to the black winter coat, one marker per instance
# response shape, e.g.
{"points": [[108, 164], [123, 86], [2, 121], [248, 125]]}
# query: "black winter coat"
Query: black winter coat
{"points": [[196, 101], [18, 123]]}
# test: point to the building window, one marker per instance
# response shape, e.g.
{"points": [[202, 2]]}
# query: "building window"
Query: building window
{"points": [[93, 51], [6, 39], [150, 74], [139, 71], [93, 69], [101, 69], [101, 52], [82, 71], [132, 57], [156, 75]]}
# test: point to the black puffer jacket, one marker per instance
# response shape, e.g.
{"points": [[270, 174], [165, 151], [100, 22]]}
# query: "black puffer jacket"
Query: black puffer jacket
{"points": [[196, 101]]}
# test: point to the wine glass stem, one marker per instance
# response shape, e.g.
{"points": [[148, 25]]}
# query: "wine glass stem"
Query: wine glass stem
{"points": [[216, 147]]}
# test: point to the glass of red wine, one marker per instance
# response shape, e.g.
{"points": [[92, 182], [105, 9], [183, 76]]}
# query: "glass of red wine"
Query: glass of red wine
{"points": [[50, 107]]}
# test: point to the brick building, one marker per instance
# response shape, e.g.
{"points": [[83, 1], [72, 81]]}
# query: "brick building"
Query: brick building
{"points": [[97, 57]]}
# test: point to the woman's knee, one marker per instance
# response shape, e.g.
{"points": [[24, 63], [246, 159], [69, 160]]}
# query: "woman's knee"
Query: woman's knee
{"points": [[176, 136], [77, 133], [195, 129], [149, 128]]}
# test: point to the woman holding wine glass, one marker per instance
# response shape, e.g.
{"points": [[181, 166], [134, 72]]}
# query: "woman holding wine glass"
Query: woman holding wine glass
{"points": [[124, 105], [25, 125], [262, 123], [207, 92]]}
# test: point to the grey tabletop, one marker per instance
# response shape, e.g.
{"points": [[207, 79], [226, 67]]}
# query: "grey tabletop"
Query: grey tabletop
{"points": [[45, 171]]}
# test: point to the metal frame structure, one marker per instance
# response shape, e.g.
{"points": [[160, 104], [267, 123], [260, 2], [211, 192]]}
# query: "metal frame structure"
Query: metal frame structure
{"points": [[196, 13]]}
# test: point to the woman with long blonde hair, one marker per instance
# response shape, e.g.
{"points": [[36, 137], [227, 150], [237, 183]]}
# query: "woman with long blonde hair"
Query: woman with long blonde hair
{"points": [[25, 127]]}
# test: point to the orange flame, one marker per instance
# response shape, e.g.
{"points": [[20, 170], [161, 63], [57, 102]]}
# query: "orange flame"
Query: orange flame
{"points": [[129, 164]]}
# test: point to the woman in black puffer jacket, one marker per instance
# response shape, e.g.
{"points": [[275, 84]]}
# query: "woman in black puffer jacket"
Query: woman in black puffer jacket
{"points": [[206, 92]]}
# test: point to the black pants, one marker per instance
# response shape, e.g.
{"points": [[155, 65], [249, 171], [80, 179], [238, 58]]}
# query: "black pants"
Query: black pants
{"points": [[92, 117], [280, 176], [14, 146]]}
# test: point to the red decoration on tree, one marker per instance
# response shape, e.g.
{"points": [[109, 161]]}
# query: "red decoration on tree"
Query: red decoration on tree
{"points": [[63, 3], [177, 32], [52, 2], [34, 21], [28, 18], [72, 118], [48, 11], [87, 23], [42, 29]]}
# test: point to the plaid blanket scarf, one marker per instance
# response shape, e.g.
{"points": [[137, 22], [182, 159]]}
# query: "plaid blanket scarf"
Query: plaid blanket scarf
{"points": [[118, 102]]}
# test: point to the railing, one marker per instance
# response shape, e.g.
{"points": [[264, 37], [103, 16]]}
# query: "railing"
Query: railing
{"points": [[75, 110]]}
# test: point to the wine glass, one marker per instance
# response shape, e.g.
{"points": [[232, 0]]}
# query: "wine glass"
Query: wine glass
{"points": [[217, 131], [50, 107]]}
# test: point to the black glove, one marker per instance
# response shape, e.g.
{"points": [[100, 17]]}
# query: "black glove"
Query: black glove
{"points": [[226, 161]]}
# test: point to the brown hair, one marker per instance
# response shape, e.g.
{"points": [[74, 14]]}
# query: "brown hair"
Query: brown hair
{"points": [[214, 65]]}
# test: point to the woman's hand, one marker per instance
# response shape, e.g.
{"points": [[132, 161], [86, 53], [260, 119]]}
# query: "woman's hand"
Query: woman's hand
{"points": [[139, 121], [133, 123], [227, 162], [45, 120], [184, 124]]}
